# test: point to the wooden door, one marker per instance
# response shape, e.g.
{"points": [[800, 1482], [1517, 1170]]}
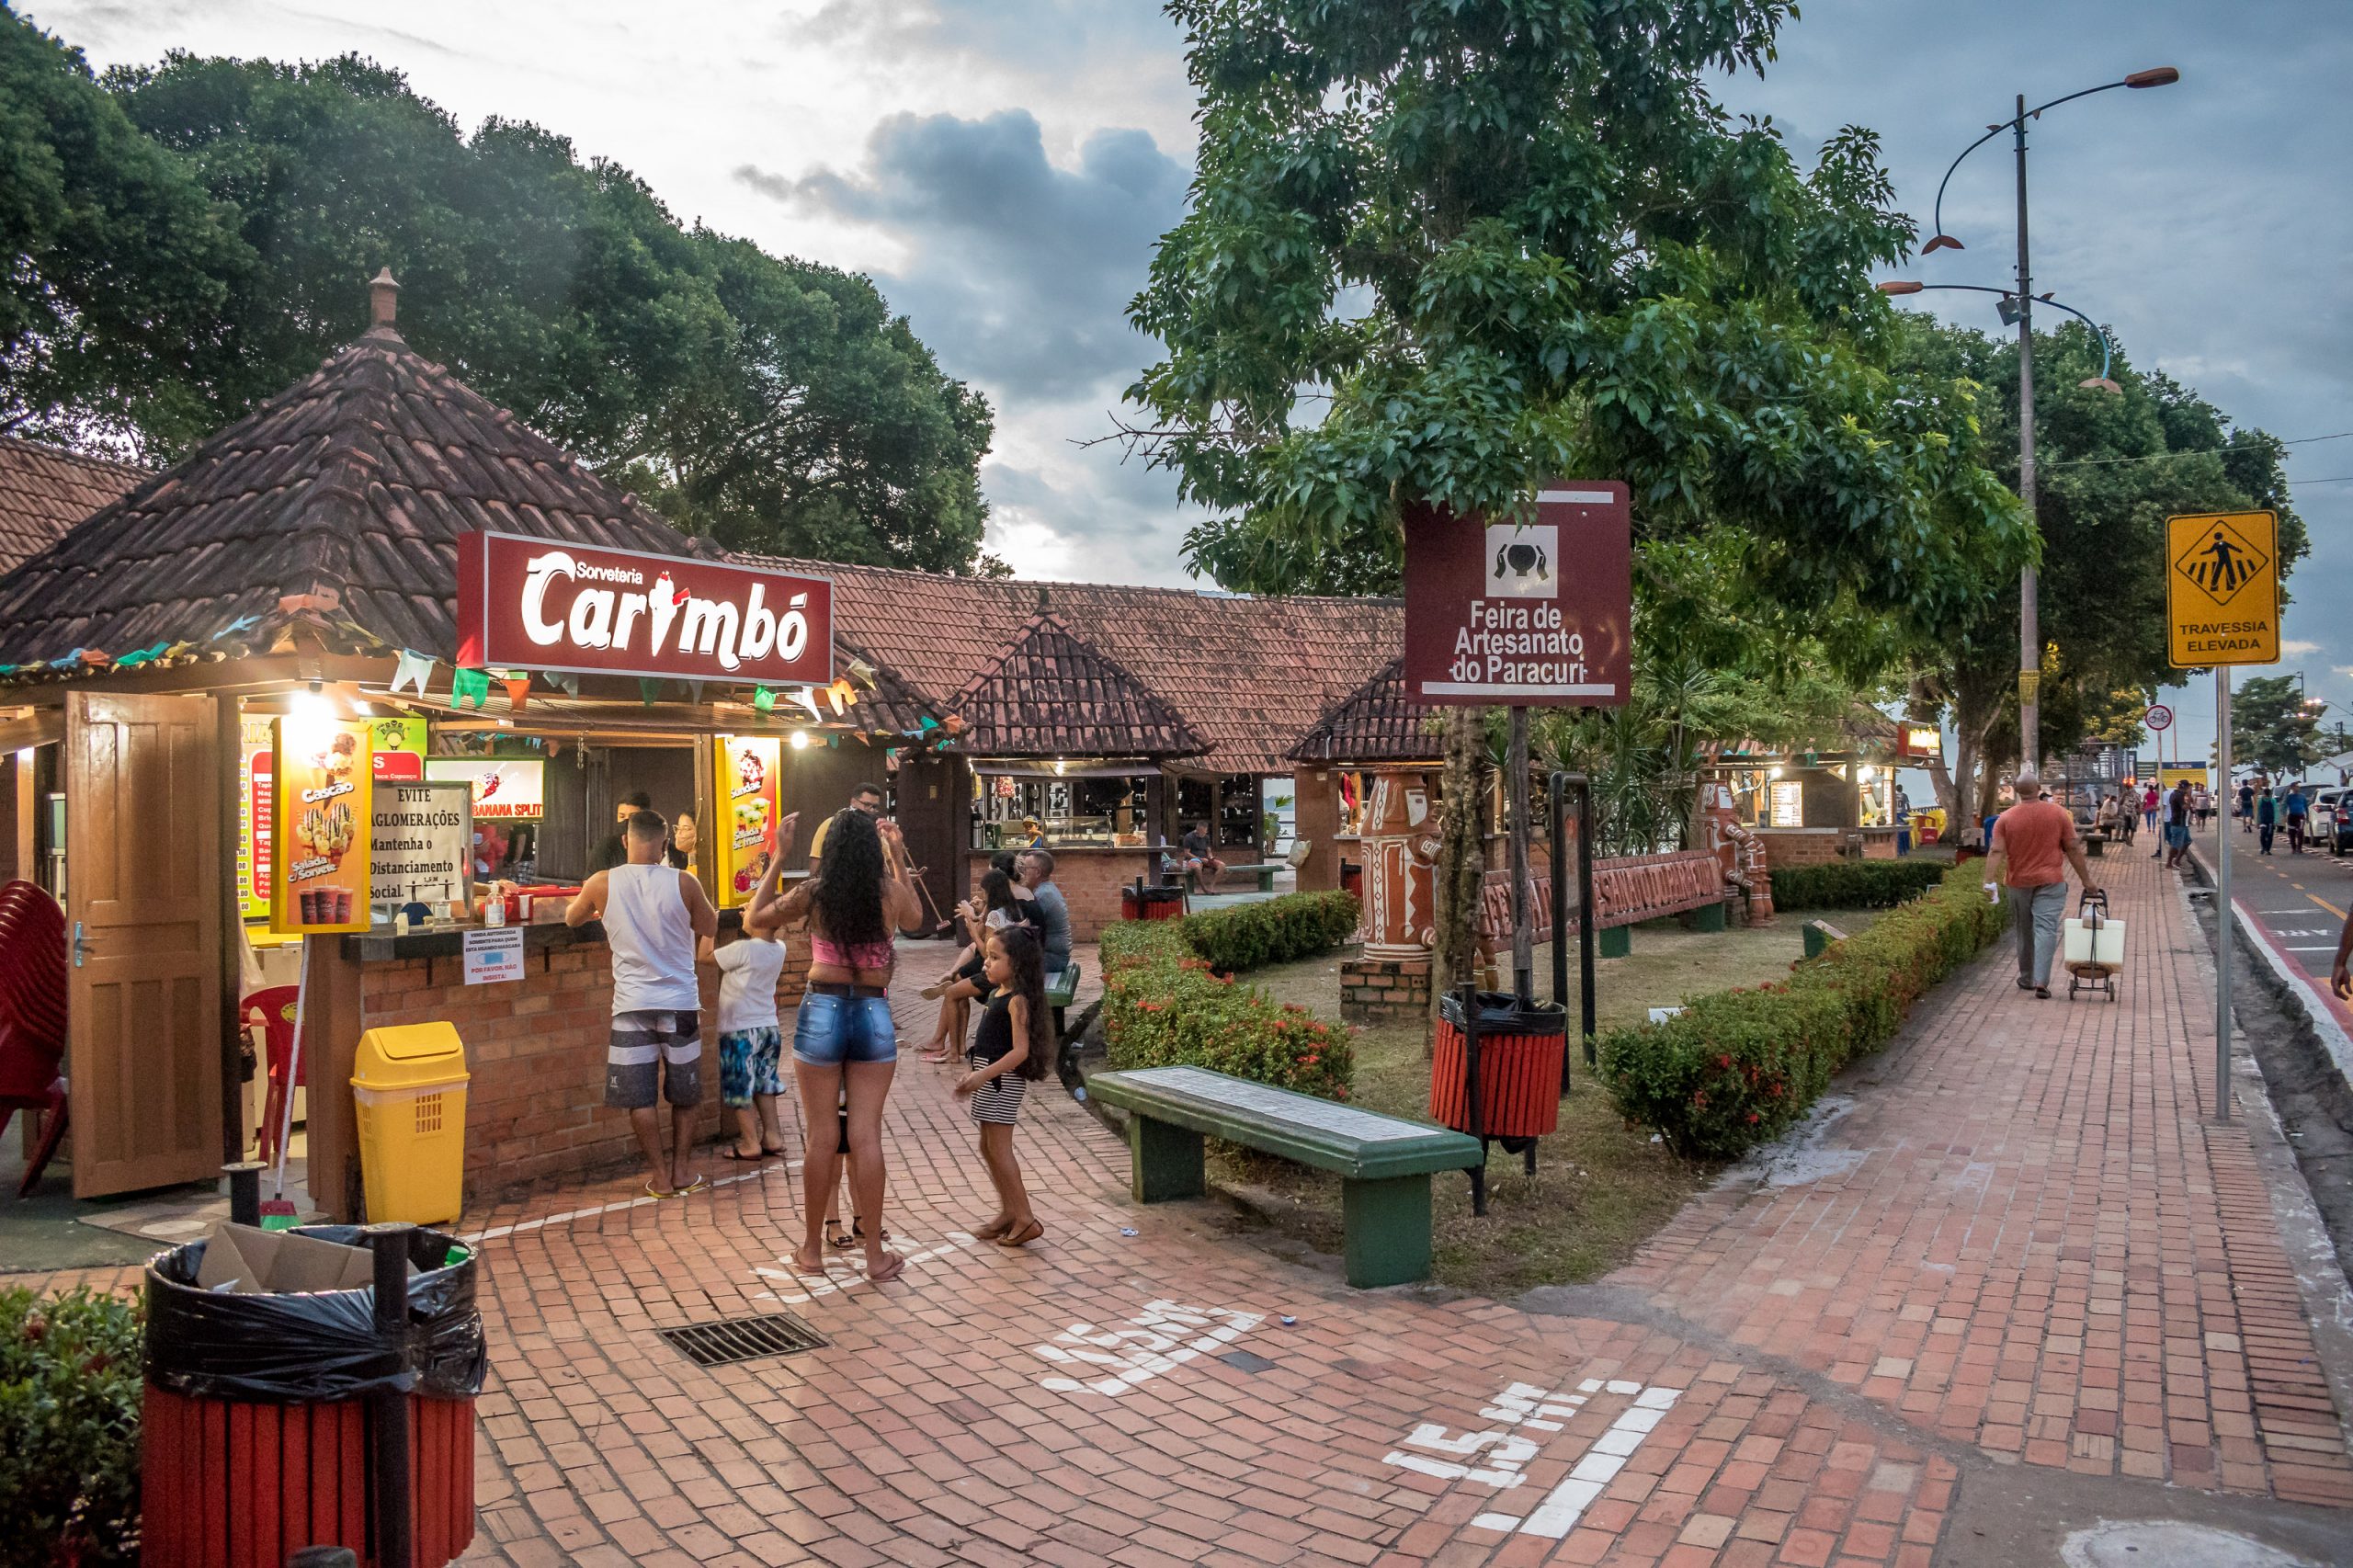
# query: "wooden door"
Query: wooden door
{"points": [[143, 870]]}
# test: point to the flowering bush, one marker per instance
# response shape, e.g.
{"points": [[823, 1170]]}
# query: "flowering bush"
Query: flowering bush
{"points": [[1737, 1067], [1165, 1003], [69, 1428]]}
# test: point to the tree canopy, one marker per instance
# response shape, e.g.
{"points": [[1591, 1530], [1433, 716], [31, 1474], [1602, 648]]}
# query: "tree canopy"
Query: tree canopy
{"points": [[2273, 728], [194, 236]]}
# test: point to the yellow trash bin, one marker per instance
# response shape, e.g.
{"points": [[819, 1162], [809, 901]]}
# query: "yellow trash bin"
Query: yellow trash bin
{"points": [[410, 1091]]}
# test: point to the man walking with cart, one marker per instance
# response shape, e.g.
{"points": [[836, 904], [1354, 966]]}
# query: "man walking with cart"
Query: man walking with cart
{"points": [[2034, 843]]}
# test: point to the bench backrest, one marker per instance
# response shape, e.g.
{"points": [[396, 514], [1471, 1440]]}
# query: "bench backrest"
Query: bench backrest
{"points": [[1359, 1145], [1627, 888]]}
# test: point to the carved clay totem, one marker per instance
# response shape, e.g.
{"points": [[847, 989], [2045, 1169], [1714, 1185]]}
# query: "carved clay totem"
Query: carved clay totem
{"points": [[1740, 852], [1400, 879]]}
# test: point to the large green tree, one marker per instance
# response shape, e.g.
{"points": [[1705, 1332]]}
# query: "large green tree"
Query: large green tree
{"points": [[2110, 468], [2274, 728], [240, 205], [1443, 250]]}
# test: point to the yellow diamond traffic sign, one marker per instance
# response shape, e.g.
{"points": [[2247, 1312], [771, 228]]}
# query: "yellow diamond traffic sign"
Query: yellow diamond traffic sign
{"points": [[2223, 588]]}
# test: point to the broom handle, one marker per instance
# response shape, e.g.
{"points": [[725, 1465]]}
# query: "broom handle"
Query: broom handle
{"points": [[293, 1067]]}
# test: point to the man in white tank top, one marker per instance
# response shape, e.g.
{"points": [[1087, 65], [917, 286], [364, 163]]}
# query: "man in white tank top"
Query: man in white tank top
{"points": [[653, 916]]}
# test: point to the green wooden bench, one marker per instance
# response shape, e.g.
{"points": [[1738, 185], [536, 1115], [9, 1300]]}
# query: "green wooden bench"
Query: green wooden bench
{"points": [[1062, 990], [1384, 1163]]}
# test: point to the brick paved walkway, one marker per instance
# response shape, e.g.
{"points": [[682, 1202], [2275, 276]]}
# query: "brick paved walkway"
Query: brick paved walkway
{"points": [[2022, 1245]]}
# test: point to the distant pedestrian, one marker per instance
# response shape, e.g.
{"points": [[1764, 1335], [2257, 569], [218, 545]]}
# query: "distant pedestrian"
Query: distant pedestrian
{"points": [[2246, 807], [2339, 980], [2150, 801], [1009, 1053], [2034, 842], [2201, 800], [2267, 818], [2128, 813], [2297, 810], [2176, 826], [2106, 819], [652, 914]]}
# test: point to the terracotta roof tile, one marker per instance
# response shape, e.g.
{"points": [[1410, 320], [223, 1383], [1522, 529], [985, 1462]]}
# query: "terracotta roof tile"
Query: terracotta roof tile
{"points": [[1248, 676], [1376, 723], [45, 490], [359, 480], [1050, 693]]}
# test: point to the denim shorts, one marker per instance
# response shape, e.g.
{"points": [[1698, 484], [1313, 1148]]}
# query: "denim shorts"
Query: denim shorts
{"points": [[831, 1030]]}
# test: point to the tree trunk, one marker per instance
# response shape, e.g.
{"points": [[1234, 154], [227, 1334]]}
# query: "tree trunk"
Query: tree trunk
{"points": [[1460, 853]]}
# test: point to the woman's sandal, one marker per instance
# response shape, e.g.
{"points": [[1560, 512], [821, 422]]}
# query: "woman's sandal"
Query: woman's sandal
{"points": [[837, 1238], [991, 1231], [1022, 1237], [857, 1233]]}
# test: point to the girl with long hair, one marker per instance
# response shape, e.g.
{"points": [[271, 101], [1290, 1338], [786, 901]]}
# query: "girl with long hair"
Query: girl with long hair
{"points": [[1010, 1051], [845, 1047]]}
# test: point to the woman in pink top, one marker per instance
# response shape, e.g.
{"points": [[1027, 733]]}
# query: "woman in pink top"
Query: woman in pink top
{"points": [[845, 1047]]}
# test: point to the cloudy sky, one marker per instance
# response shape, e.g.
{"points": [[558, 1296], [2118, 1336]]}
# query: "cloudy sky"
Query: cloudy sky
{"points": [[1002, 167]]}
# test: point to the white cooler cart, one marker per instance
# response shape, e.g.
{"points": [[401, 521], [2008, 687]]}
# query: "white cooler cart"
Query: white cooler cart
{"points": [[2092, 945]]}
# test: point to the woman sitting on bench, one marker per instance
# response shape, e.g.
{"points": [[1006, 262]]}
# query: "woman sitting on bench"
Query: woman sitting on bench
{"points": [[1002, 904]]}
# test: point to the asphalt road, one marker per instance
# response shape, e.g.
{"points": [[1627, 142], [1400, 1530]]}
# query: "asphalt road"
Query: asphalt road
{"points": [[2299, 899]]}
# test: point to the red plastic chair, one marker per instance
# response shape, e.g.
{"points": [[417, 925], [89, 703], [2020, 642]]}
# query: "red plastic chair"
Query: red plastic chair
{"points": [[33, 1016], [272, 1008]]}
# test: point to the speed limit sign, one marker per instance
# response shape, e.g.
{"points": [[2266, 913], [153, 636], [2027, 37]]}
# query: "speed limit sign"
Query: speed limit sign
{"points": [[2158, 718]]}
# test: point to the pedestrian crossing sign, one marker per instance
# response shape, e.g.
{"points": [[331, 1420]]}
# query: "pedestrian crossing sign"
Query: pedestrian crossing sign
{"points": [[2223, 588]]}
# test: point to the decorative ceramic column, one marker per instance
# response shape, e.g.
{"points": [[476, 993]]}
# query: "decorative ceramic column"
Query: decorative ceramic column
{"points": [[1399, 875], [1740, 853]]}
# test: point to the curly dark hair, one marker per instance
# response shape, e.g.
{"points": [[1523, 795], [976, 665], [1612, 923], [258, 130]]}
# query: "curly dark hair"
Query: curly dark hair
{"points": [[1027, 957], [848, 899]]}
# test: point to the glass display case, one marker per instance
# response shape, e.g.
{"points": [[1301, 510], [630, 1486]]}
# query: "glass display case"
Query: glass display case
{"points": [[1066, 813]]}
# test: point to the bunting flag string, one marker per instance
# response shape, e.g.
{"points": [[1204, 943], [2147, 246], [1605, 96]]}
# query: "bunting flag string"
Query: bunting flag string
{"points": [[693, 689], [763, 701], [566, 682], [469, 684], [649, 690], [841, 694], [413, 666], [242, 623], [518, 688], [71, 661], [138, 657], [862, 672], [807, 698]]}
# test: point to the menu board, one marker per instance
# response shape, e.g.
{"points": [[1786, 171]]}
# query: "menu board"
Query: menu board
{"points": [[506, 789], [419, 848], [1789, 804], [319, 826], [747, 781], [255, 807]]}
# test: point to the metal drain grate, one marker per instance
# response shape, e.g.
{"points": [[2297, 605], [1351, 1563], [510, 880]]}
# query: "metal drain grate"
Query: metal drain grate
{"points": [[731, 1340]]}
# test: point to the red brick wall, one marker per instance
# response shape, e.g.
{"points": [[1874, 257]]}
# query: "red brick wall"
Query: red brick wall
{"points": [[1787, 847], [1379, 991], [536, 1049]]}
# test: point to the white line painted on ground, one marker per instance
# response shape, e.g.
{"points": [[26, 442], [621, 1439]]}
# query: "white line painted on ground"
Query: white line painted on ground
{"points": [[1145, 1348], [1506, 1452], [642, 1200], [810, 1289], [1558, 1514]]}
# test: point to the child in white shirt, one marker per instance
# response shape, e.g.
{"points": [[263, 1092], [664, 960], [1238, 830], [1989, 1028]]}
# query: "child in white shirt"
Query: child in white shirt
{"points": [[750, 1042]]}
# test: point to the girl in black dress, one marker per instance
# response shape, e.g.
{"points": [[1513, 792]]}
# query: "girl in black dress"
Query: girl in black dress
{"points": [[1009, 1053]]}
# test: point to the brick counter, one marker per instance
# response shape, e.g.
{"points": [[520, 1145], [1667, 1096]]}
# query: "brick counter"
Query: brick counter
{"points": [[535, 1049]]}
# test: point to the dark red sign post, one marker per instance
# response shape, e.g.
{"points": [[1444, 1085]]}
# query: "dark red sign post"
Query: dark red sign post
{"points": [[541, 604], [1521, 614]]}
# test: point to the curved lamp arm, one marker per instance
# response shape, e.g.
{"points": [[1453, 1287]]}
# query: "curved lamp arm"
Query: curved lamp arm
{"points": [[2161, 75], [2105, 357]]}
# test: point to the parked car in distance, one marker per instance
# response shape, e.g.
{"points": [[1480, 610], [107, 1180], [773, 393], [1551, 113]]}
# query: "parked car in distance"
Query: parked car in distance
{"points": [[2333, 820]]}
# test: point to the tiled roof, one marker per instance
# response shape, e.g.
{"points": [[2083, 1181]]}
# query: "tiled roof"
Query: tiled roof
{"points": [[1048, 693], [356, 481], [45, 490], [1376, 723], [1249, 675]]}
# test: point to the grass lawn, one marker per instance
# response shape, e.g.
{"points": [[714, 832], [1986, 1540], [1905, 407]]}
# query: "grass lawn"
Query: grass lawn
{"points": [[1600, 1188]]}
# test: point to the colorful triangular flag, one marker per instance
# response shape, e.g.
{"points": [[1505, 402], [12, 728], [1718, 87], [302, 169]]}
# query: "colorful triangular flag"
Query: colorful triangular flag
{"points": [[763, 701], [649, 690], [518, 688], [413, 666], [470, 685]]}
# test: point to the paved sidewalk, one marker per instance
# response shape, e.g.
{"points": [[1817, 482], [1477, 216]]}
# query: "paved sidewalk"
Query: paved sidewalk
{"points": [[2020, 1280]]}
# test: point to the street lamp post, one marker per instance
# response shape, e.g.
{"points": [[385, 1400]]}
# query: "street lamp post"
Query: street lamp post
{"points": [[2030, 629]]}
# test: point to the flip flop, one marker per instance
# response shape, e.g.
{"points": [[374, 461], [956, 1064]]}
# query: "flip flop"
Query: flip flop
{"points": [[697, 1185], [654, 1192], [730, 1152], [892, 1267], [1024, 1236]]}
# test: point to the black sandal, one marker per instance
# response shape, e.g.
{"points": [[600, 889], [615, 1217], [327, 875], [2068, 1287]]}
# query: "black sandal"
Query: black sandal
{"points": [[837, 1238], [857, 1231]]}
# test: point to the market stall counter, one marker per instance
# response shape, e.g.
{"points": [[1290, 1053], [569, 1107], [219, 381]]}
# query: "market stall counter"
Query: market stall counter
{"points": [[535, 1046]]}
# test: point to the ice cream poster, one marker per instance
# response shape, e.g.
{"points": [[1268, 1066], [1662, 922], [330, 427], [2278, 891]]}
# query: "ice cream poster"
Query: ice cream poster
{"points": [[322, 770], [748, 790]]}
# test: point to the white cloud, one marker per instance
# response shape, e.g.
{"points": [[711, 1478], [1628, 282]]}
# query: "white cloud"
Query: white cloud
{"points": [[2297, 647]]}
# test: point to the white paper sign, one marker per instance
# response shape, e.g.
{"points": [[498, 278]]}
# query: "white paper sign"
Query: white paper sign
{"points": [[423, 833], [494, 955]]}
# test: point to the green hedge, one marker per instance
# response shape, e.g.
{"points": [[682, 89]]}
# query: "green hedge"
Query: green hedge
{"points": [[69, 1428], [1170, 998], [1855, 884], [1275, 930], [1737, 1067]]}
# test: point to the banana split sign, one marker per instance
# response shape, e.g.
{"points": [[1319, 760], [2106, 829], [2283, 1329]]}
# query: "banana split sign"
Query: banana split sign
{"points": [[1534, 614], [544, 604]]}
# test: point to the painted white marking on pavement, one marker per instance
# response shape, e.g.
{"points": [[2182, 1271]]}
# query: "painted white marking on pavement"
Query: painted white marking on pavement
{"points": [[825, 1284], [1558, 1514], [1144, 1350], [496, 1232], [1520, 1404]]}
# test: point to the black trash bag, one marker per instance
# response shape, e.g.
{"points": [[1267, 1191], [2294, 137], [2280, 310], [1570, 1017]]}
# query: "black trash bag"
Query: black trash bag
{"points": [[1500, 1013], [317, 1348]]}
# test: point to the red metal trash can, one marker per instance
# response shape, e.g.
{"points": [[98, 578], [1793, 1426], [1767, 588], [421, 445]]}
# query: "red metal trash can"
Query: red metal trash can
{"points": [[1519, 1067], [258, 1430], [1139, 902]]}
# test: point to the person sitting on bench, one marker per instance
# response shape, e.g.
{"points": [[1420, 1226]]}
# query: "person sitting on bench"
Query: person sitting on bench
{"points": [[1204, 866]]}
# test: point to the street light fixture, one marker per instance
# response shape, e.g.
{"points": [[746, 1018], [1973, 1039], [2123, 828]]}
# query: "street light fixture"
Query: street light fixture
{"points": [[2022, 297], [2008, 307]]}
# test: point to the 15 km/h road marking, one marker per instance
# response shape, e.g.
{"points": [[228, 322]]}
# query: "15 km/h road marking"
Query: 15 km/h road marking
{"points": [[1494, 1457]]}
